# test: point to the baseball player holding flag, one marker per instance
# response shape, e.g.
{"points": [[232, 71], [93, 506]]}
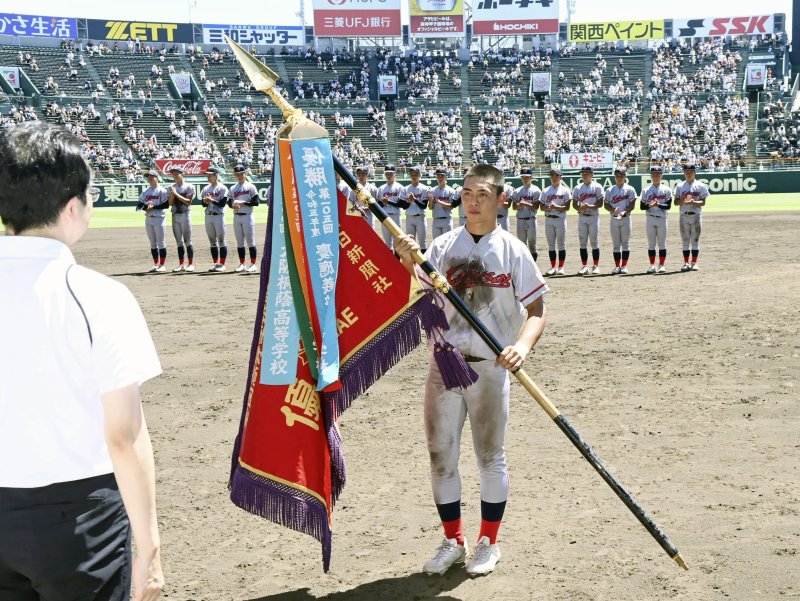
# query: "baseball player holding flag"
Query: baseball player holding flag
{"points": [[497, 277]]}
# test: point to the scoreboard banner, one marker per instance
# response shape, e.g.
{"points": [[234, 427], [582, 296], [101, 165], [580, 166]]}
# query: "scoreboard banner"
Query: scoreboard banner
{"points": [[711, 27], [579, 160], [514, 17], [436, 18], [37, 26], [615, 31], [269, 35], [170, 33], [355, 18]]}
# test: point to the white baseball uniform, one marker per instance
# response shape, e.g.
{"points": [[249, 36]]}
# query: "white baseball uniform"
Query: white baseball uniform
{"points": [[442, 215], [526, 216], [656, 225], [622, 199], [497, 278], [589, 221], [555, 222], [395, 195], [502, 212], [691, 216], [416, 224]]}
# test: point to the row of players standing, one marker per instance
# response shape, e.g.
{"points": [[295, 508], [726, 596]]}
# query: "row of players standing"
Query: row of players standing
{"points": [[588, 198], [177, 198]]}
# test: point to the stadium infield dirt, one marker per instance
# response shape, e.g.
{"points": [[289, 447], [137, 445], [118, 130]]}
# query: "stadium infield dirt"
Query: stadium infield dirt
{"points": [[685, 384]]}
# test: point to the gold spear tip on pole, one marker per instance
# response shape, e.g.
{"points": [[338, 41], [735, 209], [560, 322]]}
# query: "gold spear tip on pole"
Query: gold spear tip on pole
{"points": [[263, 77], [679, 560]]}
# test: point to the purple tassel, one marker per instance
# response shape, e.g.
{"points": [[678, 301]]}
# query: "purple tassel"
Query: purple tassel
{"points": [[456, 372], [433, 317]]}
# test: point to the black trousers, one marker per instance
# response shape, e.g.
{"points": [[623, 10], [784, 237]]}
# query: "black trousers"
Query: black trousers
{"points": [[69, 541]]}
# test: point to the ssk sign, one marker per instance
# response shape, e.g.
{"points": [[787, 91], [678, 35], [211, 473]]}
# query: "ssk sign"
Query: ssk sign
{"points": [[191, 167], [704, 28]]}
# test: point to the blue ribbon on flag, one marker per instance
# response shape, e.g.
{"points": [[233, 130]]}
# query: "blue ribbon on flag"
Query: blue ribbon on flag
{"points": [[316, 187], [281, 327]]}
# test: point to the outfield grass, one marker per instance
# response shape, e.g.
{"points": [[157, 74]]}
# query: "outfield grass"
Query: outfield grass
{"points": [[108, 217]]}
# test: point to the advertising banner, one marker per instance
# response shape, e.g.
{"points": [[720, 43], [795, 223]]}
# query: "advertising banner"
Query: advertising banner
{"points": [[595, 160], [710, 27], [183, 82], [387, 85], [11, 75], [35, 26], [615, 31], [354, 18], [514, 17], [436, 18], [269, 35], [168, 33], [540, 82], [191, 167], [756, 76]]}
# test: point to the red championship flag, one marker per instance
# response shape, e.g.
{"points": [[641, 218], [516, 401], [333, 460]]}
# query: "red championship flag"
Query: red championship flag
{"points": [[287, 464]]}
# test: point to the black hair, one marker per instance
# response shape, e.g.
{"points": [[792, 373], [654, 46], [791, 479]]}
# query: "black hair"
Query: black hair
{"points": [[493, 174], [41, 168]]}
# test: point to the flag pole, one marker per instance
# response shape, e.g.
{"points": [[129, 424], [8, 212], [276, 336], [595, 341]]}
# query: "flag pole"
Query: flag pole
{"points": [[264, 79]]}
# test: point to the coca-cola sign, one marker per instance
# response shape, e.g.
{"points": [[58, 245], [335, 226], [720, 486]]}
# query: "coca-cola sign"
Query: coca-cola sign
{"points": [[191, 167]]}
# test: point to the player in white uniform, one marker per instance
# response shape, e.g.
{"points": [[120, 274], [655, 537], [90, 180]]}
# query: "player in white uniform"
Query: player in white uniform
{"points": [[691, 196], [462, 215], [215, 198], [496, 276], [181, 195], [526, 204], [442, 201], [502, 210], [361, 174], [656, 200], [154, 201], [392, 197], [417, 197], [243, 197], [620, 201], [555, 202], [587, 198]]}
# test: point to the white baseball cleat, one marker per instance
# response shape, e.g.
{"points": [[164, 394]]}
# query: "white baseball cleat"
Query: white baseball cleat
{"points": [[651, 269], [447, 554], [623, 270], [616, 270], [161, 269], [190, 267], [153, 269], [551, 271], [485, 558], [252, 269], [662, 269], [695, 267], [219, 267], [583, 270], [686, 267], [214, 267], [596, 270], [560, 271], [179, 268], [241, 268]]}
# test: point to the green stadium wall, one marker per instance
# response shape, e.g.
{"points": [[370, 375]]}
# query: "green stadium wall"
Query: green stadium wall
{"points": [[742, 182]]}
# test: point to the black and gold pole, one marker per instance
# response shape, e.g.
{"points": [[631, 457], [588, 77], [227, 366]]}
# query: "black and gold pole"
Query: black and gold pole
{"points": [[298, 125]]}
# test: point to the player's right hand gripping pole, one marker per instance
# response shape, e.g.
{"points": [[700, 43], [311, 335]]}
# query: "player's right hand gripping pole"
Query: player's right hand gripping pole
{"points": [[264, 79]]}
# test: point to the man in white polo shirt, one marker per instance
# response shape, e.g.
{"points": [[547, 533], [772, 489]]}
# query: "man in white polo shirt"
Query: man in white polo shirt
{"points": [[76, 474]]}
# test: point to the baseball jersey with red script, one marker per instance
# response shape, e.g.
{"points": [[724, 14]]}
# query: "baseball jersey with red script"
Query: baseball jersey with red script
{"points": [[623, 198], [591, 193], [497, 278], [156, 196], [694, 191], [663, 197]]}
